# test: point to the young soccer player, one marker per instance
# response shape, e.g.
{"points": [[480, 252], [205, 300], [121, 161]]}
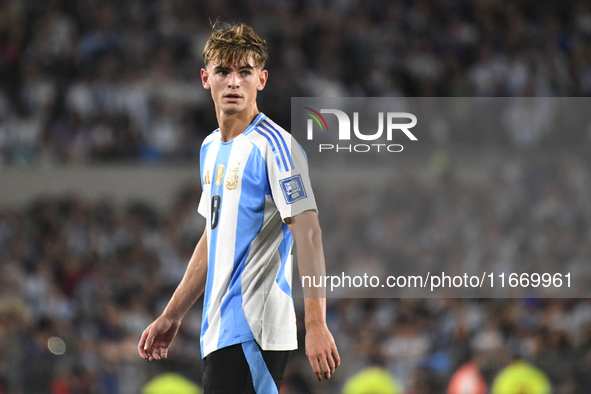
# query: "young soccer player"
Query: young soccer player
{"points": [[257, 200]]}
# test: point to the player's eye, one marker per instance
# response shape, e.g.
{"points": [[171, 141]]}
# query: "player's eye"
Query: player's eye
{"points": [[222, 72], [245, 73]]}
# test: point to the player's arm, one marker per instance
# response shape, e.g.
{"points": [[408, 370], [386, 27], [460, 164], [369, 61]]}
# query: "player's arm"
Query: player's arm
{"points": [[156, 339], [320, 346]]}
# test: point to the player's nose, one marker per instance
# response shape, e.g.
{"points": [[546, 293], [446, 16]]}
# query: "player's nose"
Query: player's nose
{"points": [[233, 80]]}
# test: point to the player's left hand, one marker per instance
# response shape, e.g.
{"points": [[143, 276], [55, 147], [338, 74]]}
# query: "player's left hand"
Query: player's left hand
{"points": [[321, 350]]}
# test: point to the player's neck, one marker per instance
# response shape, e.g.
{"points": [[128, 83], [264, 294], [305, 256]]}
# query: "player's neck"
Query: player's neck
{"points": [[232, 125]]}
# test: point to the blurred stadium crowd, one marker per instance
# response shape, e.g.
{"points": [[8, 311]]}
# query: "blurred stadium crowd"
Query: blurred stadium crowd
{"points": [[96, 275], [99, 81], [116, 82], [528, 214]]}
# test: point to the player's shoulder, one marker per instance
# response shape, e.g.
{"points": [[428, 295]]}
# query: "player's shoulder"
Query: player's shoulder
{"points": [[264, 133], [211, 137]]}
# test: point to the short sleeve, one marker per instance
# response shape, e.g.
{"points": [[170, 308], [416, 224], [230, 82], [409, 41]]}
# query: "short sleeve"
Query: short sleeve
{"points": [[289, 178], [202, 208], [205, 176]]}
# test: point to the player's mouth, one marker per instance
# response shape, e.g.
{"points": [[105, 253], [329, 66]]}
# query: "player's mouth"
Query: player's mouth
{"points": [[232, 97]]}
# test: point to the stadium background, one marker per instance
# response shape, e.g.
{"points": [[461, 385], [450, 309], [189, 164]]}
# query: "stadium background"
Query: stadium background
{"points": [[101, 118]]}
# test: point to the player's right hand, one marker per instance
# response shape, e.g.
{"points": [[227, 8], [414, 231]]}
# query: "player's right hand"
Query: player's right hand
{"points": [[156, 339], [321, 350]]}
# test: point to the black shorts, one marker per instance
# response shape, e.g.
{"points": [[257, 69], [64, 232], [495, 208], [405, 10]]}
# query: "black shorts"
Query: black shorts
{"points": [[244, 369]]}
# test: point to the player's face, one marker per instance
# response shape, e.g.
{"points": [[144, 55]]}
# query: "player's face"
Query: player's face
{"points": [[234, 87]]}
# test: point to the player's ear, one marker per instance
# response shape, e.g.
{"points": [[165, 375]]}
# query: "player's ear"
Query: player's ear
{"points": [[263, 75], [205, 78]]}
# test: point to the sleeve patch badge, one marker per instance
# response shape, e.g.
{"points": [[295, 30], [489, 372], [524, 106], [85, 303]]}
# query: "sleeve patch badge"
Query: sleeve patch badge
{"points": [[293, 189]]}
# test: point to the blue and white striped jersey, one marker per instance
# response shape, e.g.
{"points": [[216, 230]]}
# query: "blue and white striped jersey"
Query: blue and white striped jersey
{"points": [[251, 184]]}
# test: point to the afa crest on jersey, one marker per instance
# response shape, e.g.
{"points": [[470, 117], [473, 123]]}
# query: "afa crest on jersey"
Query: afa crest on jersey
{"points": [[232, 177]]}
